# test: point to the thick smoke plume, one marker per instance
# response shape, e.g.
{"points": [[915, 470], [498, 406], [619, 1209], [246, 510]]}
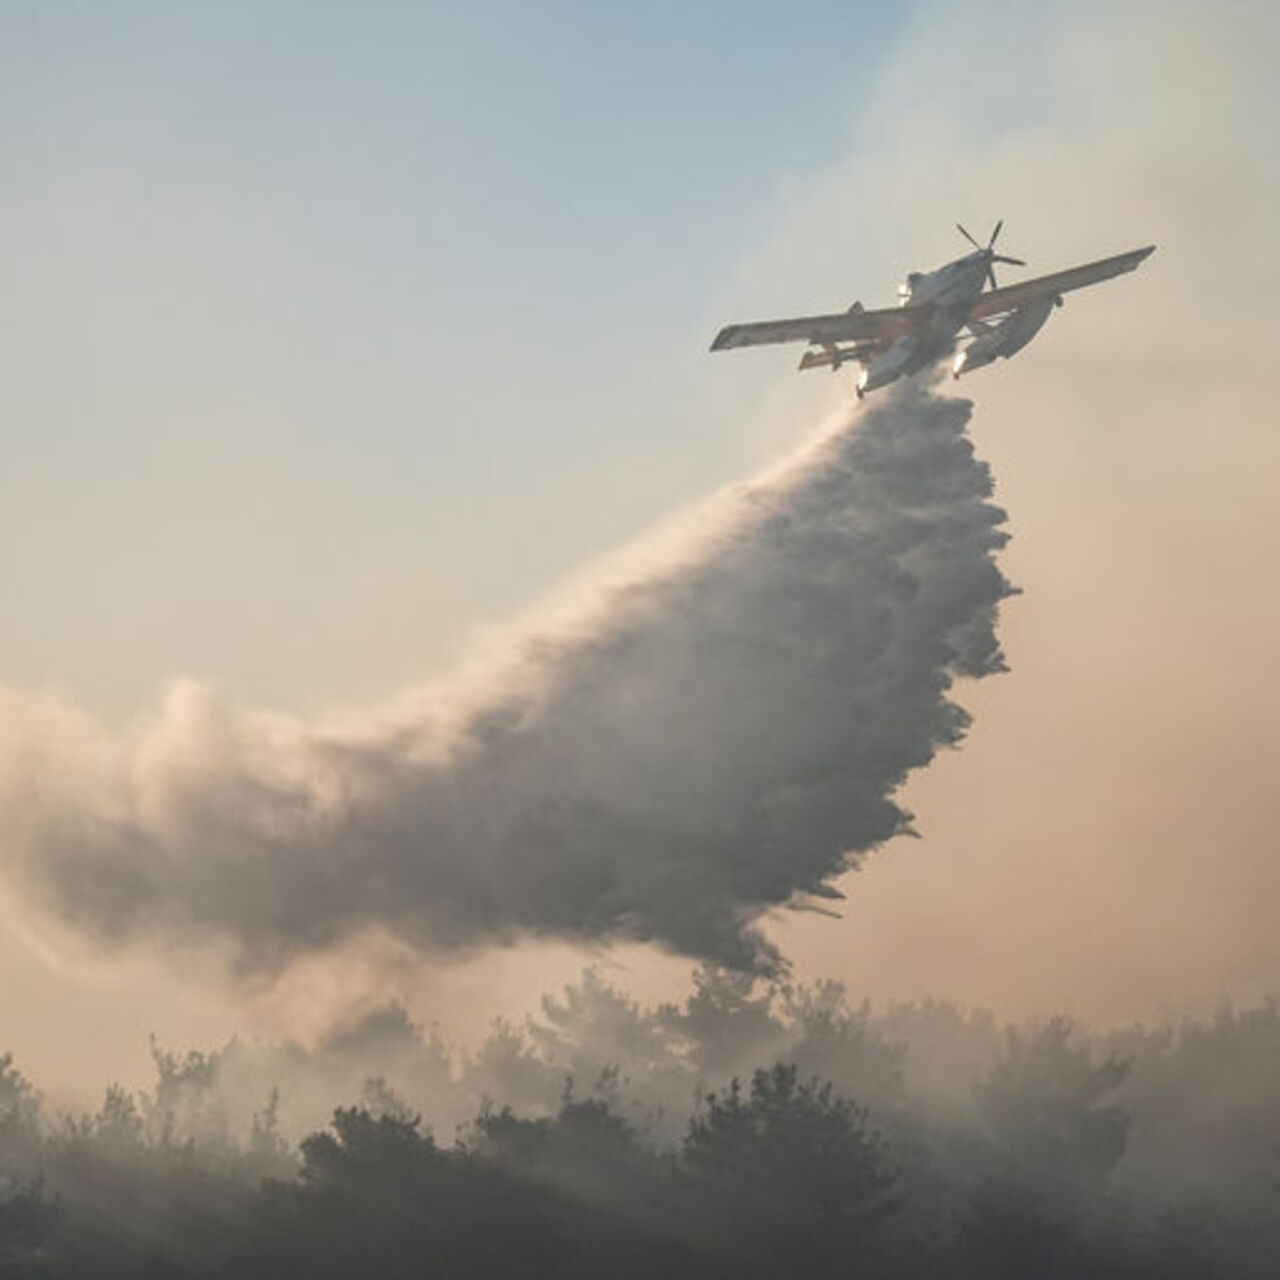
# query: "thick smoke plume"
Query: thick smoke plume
{"points": [[715, 735]]}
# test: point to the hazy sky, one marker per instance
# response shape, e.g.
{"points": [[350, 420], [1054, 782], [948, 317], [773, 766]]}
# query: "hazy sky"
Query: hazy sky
{"points": [[315, 312], [335, 332]]}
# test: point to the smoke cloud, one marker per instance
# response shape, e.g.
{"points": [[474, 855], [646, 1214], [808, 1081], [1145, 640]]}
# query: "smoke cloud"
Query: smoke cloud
{"points": [[716, 733]]}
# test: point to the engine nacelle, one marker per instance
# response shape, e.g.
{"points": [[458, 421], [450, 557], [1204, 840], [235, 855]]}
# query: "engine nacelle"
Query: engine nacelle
{"points": [[1007, 338]]}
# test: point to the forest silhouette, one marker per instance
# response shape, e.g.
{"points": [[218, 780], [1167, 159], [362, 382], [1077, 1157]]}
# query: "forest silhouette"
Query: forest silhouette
{"points": [[752, 1130]]}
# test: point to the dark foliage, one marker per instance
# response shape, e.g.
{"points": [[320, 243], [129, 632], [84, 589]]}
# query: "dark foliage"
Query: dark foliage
{"points": [[786, 1179], [969, 1154]]}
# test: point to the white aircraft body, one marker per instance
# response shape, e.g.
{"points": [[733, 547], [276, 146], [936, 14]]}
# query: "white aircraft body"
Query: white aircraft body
{"points": [[938, 312]]}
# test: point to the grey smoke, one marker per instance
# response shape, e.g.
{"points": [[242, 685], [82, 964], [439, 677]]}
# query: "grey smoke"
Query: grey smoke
{"points": [[718, 733]]}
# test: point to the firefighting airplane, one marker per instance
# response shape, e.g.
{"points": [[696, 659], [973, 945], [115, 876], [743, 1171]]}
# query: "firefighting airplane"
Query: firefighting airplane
{"points": [[934, 307]]}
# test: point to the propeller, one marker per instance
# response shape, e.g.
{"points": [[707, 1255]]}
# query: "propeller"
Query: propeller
{"points": [[989, 251]]}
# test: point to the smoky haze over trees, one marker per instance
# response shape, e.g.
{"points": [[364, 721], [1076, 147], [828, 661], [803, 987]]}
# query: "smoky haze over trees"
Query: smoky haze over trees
{"points": [[718, 732], [750, 1131], [721, 732]]}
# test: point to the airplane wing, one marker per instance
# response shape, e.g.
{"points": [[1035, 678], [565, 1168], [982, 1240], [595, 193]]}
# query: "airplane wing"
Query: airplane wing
{"points": [[1013, 296], [844, 326]]}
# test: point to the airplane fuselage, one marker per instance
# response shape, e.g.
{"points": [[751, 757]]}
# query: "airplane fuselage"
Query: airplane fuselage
{"points": [[949, 291], [958, 282]]}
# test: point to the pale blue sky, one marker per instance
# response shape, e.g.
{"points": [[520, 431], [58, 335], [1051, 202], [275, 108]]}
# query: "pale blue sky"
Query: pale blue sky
{"points": [[329, 330]]}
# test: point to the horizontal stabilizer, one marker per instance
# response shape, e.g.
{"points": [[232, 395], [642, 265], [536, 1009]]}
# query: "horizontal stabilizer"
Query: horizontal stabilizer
{"points": [[833, 357]]}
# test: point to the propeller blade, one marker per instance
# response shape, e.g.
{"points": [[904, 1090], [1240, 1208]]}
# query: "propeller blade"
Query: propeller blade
{"points": [[995, 233], [967, 236], [1013, 262], [991, 276]]}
